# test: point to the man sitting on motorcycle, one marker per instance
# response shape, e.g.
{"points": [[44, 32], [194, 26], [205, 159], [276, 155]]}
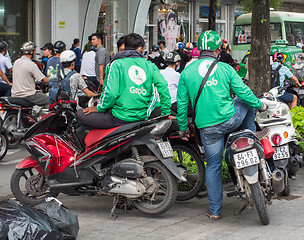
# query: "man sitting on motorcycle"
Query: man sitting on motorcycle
{"points": [[217, 114], [26, 74], [128, 92], [284, 72]]}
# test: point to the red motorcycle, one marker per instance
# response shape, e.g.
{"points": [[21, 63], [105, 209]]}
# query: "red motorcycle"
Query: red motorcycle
{"points": [[130, 161]]}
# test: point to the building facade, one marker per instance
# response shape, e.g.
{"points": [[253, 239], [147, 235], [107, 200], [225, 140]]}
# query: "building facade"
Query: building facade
{"points": [[44, 21]]}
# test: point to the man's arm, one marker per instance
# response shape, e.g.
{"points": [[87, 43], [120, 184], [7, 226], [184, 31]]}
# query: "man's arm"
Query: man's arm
{"points": [[182, 104], [3, 76], [101, 74], [296, 81], [46, 80]]}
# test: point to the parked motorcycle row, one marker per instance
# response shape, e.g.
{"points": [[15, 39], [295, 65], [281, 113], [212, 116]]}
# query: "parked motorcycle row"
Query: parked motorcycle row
{"points": [[146, 163]]}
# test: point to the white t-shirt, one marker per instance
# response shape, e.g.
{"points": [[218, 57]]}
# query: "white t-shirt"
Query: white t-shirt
{"points": [[172, 78], [88, 64], [5, 64]]}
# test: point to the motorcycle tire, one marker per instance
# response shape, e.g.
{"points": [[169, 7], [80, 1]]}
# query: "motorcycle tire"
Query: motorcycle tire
{"points": [[9, 124], [167, 192], [259, 201], [286, 191], [30, 178], [195, 172], [3, 145]]}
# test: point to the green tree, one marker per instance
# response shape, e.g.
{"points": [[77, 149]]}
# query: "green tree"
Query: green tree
{"points": [[259, 59], [247, 4]]}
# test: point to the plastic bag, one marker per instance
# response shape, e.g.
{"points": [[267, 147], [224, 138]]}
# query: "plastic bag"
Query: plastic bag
{"points": [[64, 219], [26, 223], [3, 229]]}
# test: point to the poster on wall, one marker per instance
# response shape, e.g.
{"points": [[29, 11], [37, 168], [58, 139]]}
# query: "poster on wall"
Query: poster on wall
{"points": [[170, 30]]}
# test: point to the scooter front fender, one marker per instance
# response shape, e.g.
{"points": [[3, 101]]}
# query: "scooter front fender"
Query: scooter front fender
{"points": [[29, 162], [168, 162], [251, 173]]}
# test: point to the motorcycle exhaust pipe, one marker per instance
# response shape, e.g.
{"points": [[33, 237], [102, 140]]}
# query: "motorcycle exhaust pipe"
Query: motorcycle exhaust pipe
{"points": [[278, 181], [293, 166]]}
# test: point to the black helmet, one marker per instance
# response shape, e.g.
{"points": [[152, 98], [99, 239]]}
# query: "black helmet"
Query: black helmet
{"points": [[3, 45], [155, 48], [172, 57], [27, 47], [59, 46]]}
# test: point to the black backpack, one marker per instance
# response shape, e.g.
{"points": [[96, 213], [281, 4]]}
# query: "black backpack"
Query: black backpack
{"points": [[275, 77]]}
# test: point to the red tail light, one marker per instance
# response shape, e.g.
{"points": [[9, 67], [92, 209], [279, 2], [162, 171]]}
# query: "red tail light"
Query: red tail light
{"points": [[0, 106], [242, 143], [276, 139]]}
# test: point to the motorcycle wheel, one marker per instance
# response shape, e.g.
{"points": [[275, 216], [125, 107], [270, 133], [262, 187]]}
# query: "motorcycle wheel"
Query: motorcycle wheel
{"points": [[195, 172], [286, 190], [25, 186], [259, 202], [3, 145], [166, 193], [10, 124]]}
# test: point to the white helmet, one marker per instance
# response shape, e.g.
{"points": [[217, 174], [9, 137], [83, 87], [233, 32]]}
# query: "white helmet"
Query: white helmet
{"points": [[67, 56]]}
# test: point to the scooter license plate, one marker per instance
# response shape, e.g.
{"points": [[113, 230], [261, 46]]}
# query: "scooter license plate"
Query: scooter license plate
{"points": [[281, 152], [246, 159], [166, 149]]}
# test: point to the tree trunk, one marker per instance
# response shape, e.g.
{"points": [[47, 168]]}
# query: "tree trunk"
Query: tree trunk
{"points": [[259, 59], [212, 15]]}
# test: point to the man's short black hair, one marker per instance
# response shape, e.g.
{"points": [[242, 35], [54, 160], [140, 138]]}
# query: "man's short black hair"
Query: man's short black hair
{"points": [[134, 41], [98, 35], [162, 42], [121, 41], [66, 64]]}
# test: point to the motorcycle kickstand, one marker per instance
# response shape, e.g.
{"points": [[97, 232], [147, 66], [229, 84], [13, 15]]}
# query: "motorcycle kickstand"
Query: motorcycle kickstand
{"points": [[237, 212], [115, 202]]}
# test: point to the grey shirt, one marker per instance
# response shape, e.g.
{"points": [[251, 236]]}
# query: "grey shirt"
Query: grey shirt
{"points": [[102, 57]]}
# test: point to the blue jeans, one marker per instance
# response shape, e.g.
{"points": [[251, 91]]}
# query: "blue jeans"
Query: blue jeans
{"points": [[213, 141]]}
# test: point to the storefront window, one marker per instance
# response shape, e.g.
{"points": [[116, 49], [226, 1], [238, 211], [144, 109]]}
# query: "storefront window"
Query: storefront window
{"points": [[14, 24], [172, 21], [113, 22]]}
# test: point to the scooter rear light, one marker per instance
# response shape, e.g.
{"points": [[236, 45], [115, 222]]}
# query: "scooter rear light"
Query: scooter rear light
{"points": [[1, 106], [285, 135], [242, 143], [276, 139]]}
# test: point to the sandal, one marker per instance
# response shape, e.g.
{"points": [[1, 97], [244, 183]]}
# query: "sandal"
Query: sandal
{"points": [[211, 216]]}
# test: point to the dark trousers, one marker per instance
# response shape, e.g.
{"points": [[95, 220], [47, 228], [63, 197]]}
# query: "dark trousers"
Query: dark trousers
{"points": [[99, 120], [5, 89]]}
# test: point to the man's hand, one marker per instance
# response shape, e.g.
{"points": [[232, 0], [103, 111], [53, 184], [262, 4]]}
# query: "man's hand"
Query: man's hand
{"points": [[298, 85], [185, 134], [264, 107], [90, 110]]}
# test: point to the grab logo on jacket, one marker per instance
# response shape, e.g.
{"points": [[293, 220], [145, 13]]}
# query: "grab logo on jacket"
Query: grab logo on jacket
{"points": [[138, 76], [203, 68]]}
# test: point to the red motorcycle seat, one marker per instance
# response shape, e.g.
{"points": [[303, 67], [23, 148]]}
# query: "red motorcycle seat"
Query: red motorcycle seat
{"points": [[97, 135]]}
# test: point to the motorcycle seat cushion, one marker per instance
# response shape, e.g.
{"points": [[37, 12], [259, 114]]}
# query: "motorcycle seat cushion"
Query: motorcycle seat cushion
{"points": [[19, 101]]}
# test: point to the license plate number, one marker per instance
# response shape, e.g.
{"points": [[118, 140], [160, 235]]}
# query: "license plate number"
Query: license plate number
{"points": [[281, 152], [301, 91], [166, 149], [246, 159]]}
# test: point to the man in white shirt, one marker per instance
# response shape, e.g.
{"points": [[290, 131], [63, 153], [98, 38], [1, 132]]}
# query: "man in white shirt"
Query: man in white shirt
{"points": [[171, 76], [87, 69], [5, 66]]}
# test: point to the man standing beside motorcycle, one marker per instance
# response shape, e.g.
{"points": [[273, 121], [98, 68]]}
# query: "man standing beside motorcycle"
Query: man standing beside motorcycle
{"points": [[26, 74], [217, 114], [128, 93]]}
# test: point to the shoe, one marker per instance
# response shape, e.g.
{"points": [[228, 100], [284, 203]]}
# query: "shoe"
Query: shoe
{"points": [[211, 216], [262, 134]]}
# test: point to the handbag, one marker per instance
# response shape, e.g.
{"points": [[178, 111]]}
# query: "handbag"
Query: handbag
{"points": [[192, 125]]}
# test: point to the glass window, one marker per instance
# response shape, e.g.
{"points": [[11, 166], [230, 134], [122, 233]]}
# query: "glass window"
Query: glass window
{"points": [[14, 24], [294, 32], [242, 33]]}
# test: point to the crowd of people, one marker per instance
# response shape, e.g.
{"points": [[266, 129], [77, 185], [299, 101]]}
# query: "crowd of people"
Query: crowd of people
{"points": [[134, 88]]}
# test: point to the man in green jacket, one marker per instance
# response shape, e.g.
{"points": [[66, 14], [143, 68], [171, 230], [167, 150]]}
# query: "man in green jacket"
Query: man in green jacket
{"points": [[129, 92], [216, 112]]}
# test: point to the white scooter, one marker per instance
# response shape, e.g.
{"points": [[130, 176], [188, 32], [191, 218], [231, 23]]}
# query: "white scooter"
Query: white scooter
{"points": [[287, 152]]}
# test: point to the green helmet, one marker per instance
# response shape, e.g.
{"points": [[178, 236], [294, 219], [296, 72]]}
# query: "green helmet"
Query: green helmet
{"points": [[209, 40]]}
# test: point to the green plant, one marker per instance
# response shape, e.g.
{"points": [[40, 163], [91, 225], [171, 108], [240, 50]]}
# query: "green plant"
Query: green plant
{"points": [[297, 115]]}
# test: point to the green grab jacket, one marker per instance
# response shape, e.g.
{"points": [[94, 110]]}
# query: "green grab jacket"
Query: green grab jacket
{"points": [[215, 104], [130, 90]]}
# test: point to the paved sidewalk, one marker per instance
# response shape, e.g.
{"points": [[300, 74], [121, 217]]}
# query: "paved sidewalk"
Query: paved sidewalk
{"points": [[186, 220]]}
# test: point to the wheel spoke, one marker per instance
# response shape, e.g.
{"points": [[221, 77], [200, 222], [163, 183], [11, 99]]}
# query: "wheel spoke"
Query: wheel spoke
{"points": [[24, 175], [31, 172]]}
